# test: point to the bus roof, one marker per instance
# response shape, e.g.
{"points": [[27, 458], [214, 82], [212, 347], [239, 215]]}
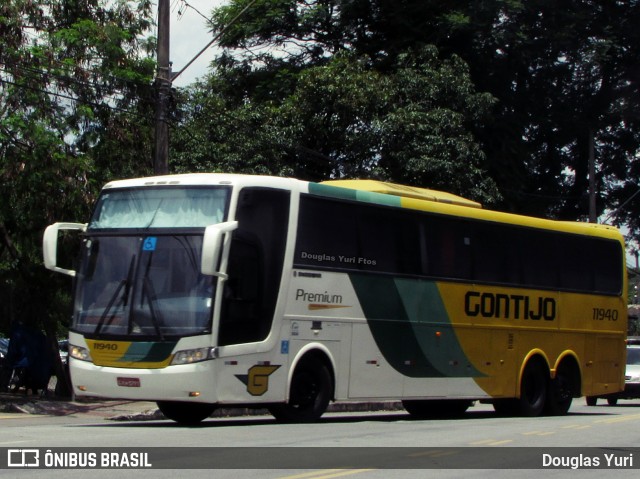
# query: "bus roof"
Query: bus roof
{"points": [[444, 203], [378, 192], [404, 191]]}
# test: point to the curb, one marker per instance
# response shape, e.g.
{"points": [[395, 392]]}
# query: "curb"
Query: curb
{"points": [[155, 414], [126, 410]]}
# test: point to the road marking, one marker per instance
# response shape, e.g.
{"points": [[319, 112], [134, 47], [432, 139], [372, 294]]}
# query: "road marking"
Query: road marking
{"points": [[12, 443], [491, 442], [22, 416], [328, 473], [576, 426], [311, 474], [537, 433], [500, 443], [618, 419], [615, 419]]}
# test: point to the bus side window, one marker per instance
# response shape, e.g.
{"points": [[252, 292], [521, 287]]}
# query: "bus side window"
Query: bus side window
{"points": [[448, 245], [255, 266], [242, 290]]}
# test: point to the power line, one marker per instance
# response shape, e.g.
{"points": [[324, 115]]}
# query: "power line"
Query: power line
{"points": [[186, 4], [70, 98], [69, 78], [215, 39], [621, 206]]}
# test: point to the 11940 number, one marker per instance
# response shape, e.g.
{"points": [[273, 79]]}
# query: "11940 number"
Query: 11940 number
{"points": [[602, 314]]}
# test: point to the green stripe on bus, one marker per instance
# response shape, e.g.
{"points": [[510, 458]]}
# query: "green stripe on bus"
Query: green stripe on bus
{"points": [[411, 327], [153, 352], [356, 195]]}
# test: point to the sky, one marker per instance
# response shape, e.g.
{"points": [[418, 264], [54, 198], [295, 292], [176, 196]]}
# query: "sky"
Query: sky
{"points": [[189, 35]]}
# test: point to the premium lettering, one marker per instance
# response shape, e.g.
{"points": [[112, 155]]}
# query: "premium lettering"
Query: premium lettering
{"points": [[509, 306], [310, 297]]}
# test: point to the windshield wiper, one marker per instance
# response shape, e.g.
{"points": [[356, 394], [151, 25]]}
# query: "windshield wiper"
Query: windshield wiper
{"points": [[126, 284], [150, 293], [122, 284]]}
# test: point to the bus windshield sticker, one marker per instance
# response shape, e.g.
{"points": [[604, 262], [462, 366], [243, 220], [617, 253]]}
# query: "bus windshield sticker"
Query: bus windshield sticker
{"points": [[150, 244]]}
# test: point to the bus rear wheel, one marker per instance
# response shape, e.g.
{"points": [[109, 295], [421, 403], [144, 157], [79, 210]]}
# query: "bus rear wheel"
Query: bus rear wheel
{"points": [[560, 393], [533, 393], [311, 390], [533, 390], [185, 412]]}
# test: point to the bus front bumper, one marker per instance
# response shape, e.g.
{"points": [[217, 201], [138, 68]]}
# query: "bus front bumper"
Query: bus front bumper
{"points": [[189, 382]]}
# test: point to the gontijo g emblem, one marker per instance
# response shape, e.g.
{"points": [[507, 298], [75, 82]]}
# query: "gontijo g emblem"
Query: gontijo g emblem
{"points": [[257, 379]]}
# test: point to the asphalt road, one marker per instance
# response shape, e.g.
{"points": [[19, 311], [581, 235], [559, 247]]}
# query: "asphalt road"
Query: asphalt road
{"points": [[384, 444]]}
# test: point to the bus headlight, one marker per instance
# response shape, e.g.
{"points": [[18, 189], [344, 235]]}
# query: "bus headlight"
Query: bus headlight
{"points": [[78, 352], [189, 356]]}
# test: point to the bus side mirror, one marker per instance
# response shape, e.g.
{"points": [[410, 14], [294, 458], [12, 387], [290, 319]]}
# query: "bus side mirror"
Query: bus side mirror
{"points": [[212, 246], [50, 245]]}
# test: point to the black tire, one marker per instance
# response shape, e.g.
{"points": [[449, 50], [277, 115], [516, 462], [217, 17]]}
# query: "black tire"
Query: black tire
{"points": [[533, 389], [612, 401], [560, 394], [592, 400], [311, 391], [424, 409], [186, 413]]}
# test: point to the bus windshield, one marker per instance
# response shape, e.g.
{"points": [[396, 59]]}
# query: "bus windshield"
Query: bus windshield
{"points": [[139, 273], [166, 207]]}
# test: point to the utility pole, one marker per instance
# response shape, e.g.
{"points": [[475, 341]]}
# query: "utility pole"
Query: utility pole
{"points": [[593, 216], [163, 90], [164, 79]]}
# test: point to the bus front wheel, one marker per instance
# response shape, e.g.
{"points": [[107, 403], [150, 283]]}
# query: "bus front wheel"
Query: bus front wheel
{"points": [[185, 412], [311, 390]]}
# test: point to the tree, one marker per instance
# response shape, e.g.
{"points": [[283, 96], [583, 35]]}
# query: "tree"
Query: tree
{"points": [[342, 119], [69, 70], [566, 80], [564, 74], [319, 108], [428, 137]]}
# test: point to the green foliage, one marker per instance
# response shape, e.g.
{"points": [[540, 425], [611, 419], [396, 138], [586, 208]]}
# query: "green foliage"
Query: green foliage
{"points": [[563, 73], [345, 119], [500, 101], [73, 79]]}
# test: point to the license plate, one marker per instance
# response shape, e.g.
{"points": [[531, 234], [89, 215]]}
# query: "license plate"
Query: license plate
{"points": [[129, 382]]}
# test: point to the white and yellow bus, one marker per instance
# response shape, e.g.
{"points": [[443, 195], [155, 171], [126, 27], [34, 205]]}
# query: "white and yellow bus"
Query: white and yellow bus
{"points": [[212, 290]]}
